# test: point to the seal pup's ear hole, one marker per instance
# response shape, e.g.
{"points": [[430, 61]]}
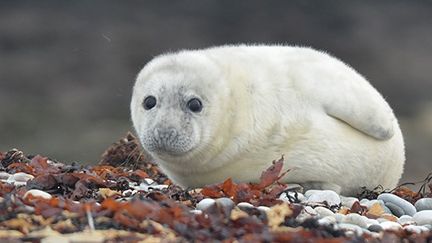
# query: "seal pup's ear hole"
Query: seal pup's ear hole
{"points": [[195, 105], [149, 102]]}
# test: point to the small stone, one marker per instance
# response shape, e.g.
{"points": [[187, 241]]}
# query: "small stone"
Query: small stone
{"points": [[4, 175], [390, 225], [375, 228], [323, 212], [20, 177], [225, 202], [348, 201], [395, 209], [423, 217], [406, 206], [308, 193], [309, 210], [205, 204], [327, 220], [328, 196], [263, 209], [196, 211], [149, 181], [340, 217], [356, 219], [351, 227], [413, 229], [405, 219], [294, 187], [423, 204], [428, 226], [245, 205], [38, 193], [371, 222]]}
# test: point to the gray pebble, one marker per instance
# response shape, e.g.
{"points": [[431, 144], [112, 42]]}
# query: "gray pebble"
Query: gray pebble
{"points": [[225, 202], [424, 204], [390, 225], [328, 220], [356, 219], [309, 210], [4, 175], [205, 204], [308, 193], [294, 187], [406, 219], [406, 206], [423, 217], [339, 217], [428, 226], [375, 228], [395, 209], [331, 197], [323, 212], [245, 205], [196, 211], [263, 209]]}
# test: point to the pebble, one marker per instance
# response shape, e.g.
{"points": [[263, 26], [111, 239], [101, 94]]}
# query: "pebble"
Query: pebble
{"points": [[308, 193], [424, 204], [406, 206], [327, 220], [309, 210], [149, 181], [245, 205], [348, 201], [294, 187], [331, 197], [4, 175], [339, 217], [395, 209], [356, 219], [351, 227], [286, 196], [38, 193], [205, 204], [423, 217], [390, 225], [263, 209], [196, 211], [20, 177], [225, 202], [375, 228], [416, 229], [405, 219], [323, 212]]}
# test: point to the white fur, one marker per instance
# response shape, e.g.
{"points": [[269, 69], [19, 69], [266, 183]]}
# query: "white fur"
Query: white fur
{"points": [[262, 102]]}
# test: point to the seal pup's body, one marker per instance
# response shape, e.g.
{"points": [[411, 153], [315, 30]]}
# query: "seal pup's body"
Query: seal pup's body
{"points": [[259, 103]]}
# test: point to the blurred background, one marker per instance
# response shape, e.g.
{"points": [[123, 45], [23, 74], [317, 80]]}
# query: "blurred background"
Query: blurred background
{"points": [[67, 67]]}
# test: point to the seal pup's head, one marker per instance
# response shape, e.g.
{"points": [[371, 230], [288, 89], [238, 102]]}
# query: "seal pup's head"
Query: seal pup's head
{"points": [[175, 99]]}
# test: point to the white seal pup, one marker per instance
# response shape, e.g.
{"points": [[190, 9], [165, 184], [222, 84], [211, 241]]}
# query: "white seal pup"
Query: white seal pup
{"points": [[229, 111]]}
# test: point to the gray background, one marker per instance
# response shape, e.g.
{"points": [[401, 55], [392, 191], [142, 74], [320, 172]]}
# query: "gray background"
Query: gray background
{"points": [[67, 67]]}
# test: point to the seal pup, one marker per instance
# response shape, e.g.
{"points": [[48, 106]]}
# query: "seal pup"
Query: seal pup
{"points": [[206, 115]]}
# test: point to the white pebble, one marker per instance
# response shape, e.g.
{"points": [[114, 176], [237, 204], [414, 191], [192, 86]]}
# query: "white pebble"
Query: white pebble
{"points": [[323, 212], [4, 175], [263, 208], [423, 217], [205, 204], [390, 225], [424, 204], [245, 205], [327, 220], [348, 201], [406, 219], [308, 193], [340, 217], [309, 210], [149, 181], [406, 206], [371, 222], [196, 211], [356, 219], [38, 193], [20, 177], [351, 227], [331, 197]]}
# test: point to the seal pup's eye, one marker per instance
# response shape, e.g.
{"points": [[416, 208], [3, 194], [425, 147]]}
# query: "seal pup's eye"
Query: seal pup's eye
{"points": [[149, 102], [194, 105]]}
